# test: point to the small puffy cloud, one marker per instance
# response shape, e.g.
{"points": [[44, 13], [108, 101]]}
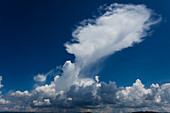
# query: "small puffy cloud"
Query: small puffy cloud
{"points": [[45, 102], [97, 78], [3, 101], [20, 94], [56, 77], [40, 78]]}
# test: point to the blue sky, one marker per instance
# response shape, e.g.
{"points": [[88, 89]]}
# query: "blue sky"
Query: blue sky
{"points": [[33, 34]]}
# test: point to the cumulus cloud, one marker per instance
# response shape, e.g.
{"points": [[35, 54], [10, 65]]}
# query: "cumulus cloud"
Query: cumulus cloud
{"points": [[52, 73], [128, 98], [165, 93], [40, 78], [119, 27], [45, 102]]}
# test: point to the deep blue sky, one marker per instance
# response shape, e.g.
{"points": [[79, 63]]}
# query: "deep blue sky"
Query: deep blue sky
{"points": [[32, 34]]}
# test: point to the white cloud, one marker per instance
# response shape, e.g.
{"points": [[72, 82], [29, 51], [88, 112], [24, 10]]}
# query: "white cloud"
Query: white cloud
{"points": [[3, 101], [120, 27], [40, 78], [46, 102], [97, 78], [136, 92], [20, 94], [133, 96]]}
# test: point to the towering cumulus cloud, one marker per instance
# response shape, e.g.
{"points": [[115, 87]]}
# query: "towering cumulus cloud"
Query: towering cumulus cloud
{"points": [[119, 27]]}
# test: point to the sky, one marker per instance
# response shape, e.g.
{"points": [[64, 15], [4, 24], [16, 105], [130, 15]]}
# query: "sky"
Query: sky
{"points": [[68, 47]]}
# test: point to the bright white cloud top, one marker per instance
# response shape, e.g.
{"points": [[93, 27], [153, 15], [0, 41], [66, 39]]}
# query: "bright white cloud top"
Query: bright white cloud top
{"points": [[119, 27]]}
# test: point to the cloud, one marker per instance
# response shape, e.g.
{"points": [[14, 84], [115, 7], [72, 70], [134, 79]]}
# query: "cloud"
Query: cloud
{"points": [[2, 101], [45, 102], [120, 27], [165, 93], [0, 82], [40, 78], [52, 73], [136, 95], [94, 97]]}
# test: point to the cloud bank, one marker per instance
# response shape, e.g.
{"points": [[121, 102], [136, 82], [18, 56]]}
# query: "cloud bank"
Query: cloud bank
{"points": [[120, 27], [100, 95]]}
